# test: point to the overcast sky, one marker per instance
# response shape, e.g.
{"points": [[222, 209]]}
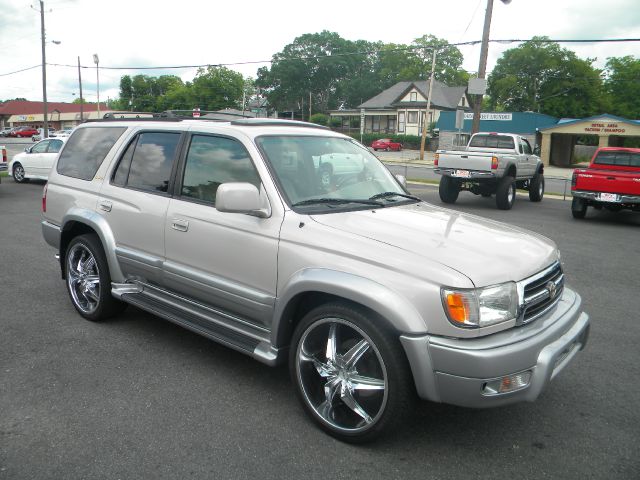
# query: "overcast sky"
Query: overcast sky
{"points": [[128, 33]]}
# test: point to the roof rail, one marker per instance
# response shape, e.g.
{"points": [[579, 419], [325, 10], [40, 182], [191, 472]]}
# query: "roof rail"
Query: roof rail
{"points": [[267, 122]]}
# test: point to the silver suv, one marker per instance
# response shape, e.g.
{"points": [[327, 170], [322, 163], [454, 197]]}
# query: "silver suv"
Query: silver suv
{"points": [[241, 232]]}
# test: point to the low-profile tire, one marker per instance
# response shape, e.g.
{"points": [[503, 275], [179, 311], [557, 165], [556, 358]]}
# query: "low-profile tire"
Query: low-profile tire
{"points": [[18, 174], [88, 279], [506, 193], [536, 187], [578, 208], [350, 373], [449, 189]]}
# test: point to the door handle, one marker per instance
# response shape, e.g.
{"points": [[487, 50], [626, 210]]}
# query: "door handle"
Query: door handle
{"points": [[179, 225], [105, 205]]}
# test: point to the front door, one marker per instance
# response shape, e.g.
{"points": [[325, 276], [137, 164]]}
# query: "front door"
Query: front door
{"points": [[224, 260]]}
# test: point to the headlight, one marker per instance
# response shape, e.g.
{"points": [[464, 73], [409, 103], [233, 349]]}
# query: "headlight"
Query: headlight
{"points": [[480, 307]]}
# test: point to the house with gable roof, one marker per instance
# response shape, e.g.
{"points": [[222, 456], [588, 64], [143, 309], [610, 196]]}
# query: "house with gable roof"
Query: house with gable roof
{"points": [[402, 108]]}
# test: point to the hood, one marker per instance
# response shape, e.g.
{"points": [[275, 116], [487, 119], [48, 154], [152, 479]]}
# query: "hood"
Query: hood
{"points": [[485, 251]]}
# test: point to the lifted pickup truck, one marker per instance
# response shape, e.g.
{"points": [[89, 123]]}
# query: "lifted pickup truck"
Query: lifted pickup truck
{"points": [[492, 163], [612, 181]]}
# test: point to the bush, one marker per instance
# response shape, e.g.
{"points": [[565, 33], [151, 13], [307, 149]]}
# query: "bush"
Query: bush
{"points": [[319, 118], [336, 122], [411, 142]]}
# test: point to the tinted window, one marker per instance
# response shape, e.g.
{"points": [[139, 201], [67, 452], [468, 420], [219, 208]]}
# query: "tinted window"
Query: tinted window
{"points": [[212, 161], [624, 159], [122, 172], [86, 150], [55, 146], [152, 161], [492, 141]]}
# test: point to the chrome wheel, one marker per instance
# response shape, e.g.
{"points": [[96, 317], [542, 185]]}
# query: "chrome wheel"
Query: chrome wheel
{"points": [[342, 375], [511, 194], [83, 278], [18, 173]]}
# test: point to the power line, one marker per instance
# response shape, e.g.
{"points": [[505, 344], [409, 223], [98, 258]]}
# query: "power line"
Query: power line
{"points": [[18, 71]]}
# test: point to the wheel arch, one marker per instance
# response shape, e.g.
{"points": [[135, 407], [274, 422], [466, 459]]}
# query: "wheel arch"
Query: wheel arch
{"points": [[80, 222], [310, 288], [510, 171]]}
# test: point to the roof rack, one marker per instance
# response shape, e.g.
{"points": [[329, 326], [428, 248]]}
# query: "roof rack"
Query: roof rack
{"points": [[268, 122]]}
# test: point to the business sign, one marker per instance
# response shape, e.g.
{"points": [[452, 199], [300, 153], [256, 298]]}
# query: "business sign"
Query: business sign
{"points": [[477, 86], [504, 117], [604, 127]]}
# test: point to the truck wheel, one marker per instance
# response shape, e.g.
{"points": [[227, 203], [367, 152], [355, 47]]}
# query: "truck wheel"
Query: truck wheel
{"points": [[578, 208], [506, 193], [18, 173], [88, 279], [536, 187], [449, 189], [351, 375]]}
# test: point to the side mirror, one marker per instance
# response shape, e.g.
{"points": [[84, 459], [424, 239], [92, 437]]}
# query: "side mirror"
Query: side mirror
{"points": [[402, 179], [240, 197], [28, 149], [536, 150]]}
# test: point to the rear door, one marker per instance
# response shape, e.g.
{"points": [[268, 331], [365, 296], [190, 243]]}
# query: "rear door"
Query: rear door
{"points": [[135, 200], [48, 158], [33, 162]]}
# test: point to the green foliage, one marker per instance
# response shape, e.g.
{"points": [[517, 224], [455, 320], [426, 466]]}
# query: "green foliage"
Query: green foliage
{"points": [[319, 118], [543, 77], [336, 122], [623, 86]]}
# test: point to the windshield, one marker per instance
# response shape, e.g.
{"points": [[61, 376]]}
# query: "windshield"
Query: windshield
{"points": [[325, 173]]}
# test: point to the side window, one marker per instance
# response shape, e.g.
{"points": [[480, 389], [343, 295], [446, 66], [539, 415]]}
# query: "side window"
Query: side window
{"points": [[40, 147], [527, 146], [86, 150], [55, 146], [122, 171], [151, 162], [212, 161]]}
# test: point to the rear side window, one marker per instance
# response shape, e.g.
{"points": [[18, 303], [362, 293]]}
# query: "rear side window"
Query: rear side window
{"points": [[147, 162], [622, 159], [492, 141], [86, 150], [55, 146]]}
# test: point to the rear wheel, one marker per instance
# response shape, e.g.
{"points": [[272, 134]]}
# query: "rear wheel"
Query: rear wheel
{"points": [[506, 193], [352, 376], [449, 189], [88, 279], [578, 208], [536, 187], [18, 174]]}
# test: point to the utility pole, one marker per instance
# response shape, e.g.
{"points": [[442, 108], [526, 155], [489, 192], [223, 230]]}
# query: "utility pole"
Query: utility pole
{"points": [[309, 106], [80, 84], [426, 113], [45, 132], [482, 67]]}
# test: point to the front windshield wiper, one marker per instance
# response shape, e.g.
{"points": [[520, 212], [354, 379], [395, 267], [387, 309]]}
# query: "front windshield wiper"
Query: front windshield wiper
{"points": [[394, 194], [340, 201]]}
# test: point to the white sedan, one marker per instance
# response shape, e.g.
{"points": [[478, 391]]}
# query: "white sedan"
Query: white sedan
{"points": [[36, 161]]}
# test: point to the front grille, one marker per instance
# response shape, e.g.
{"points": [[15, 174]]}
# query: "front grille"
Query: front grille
{"points": [[541, 292]]}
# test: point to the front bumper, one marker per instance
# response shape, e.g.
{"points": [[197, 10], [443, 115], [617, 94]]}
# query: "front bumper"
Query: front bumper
{"points": [[595, 197], [457, 371]]}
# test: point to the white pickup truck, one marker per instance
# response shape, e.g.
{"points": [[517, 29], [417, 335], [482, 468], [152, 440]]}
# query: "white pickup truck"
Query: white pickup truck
{"points": [[492, 163]]}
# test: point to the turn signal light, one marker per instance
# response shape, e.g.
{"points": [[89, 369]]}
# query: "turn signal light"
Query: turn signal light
{"points": [[494, 163], [435, 159], [510, 383], [457, 307]]}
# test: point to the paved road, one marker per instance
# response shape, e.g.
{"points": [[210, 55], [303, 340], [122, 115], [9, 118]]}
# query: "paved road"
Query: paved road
{"points": [[138, 397]]}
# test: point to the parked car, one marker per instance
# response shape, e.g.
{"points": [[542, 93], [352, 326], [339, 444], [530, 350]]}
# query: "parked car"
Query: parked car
{"points": [[65, 132], [370, 294], [36, 161], [386, 144], [23, 132], [38, 136], [611, 181], [5, 131], [492, 163]]}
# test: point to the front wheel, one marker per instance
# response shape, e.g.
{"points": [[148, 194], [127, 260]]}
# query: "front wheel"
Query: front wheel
{"points": [[536, 187], [352, 376], [449, 189], [88, 279], [506, 193], [19, 175]]}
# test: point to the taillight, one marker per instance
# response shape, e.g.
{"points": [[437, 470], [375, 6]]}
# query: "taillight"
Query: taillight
{"points": [[574, 179], [4, 154], [494, 163], [435, 159], [44, 198]]}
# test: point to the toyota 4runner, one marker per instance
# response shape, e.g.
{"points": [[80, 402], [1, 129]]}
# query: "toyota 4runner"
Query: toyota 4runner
{"points": [[241, 231]]}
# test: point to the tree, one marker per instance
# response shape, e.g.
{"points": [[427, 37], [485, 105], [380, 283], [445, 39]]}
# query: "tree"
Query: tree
{"points": [[449, 60], [622, 83], [543, 77], [215, 88]]}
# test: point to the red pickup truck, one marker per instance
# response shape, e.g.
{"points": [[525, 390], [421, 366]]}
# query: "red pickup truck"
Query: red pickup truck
{"points": [[612, 181]]}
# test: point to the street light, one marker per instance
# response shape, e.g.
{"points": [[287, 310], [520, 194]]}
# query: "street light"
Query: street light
{"points": [[96, 60], [484, 51]]}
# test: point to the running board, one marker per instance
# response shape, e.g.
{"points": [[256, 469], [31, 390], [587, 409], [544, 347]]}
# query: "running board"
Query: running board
{"points": [[205, 325]]}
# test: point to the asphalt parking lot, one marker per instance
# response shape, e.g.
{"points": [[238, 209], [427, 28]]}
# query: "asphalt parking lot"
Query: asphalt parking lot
{"points": [[138, 397]]}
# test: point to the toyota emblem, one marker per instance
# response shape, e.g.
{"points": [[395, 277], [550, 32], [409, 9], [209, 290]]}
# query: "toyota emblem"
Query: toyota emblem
{"points": [[551, 288]]}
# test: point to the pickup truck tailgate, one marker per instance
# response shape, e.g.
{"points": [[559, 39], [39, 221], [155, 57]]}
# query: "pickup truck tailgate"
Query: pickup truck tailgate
{"points": [[609, 181], [466, 161]]}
